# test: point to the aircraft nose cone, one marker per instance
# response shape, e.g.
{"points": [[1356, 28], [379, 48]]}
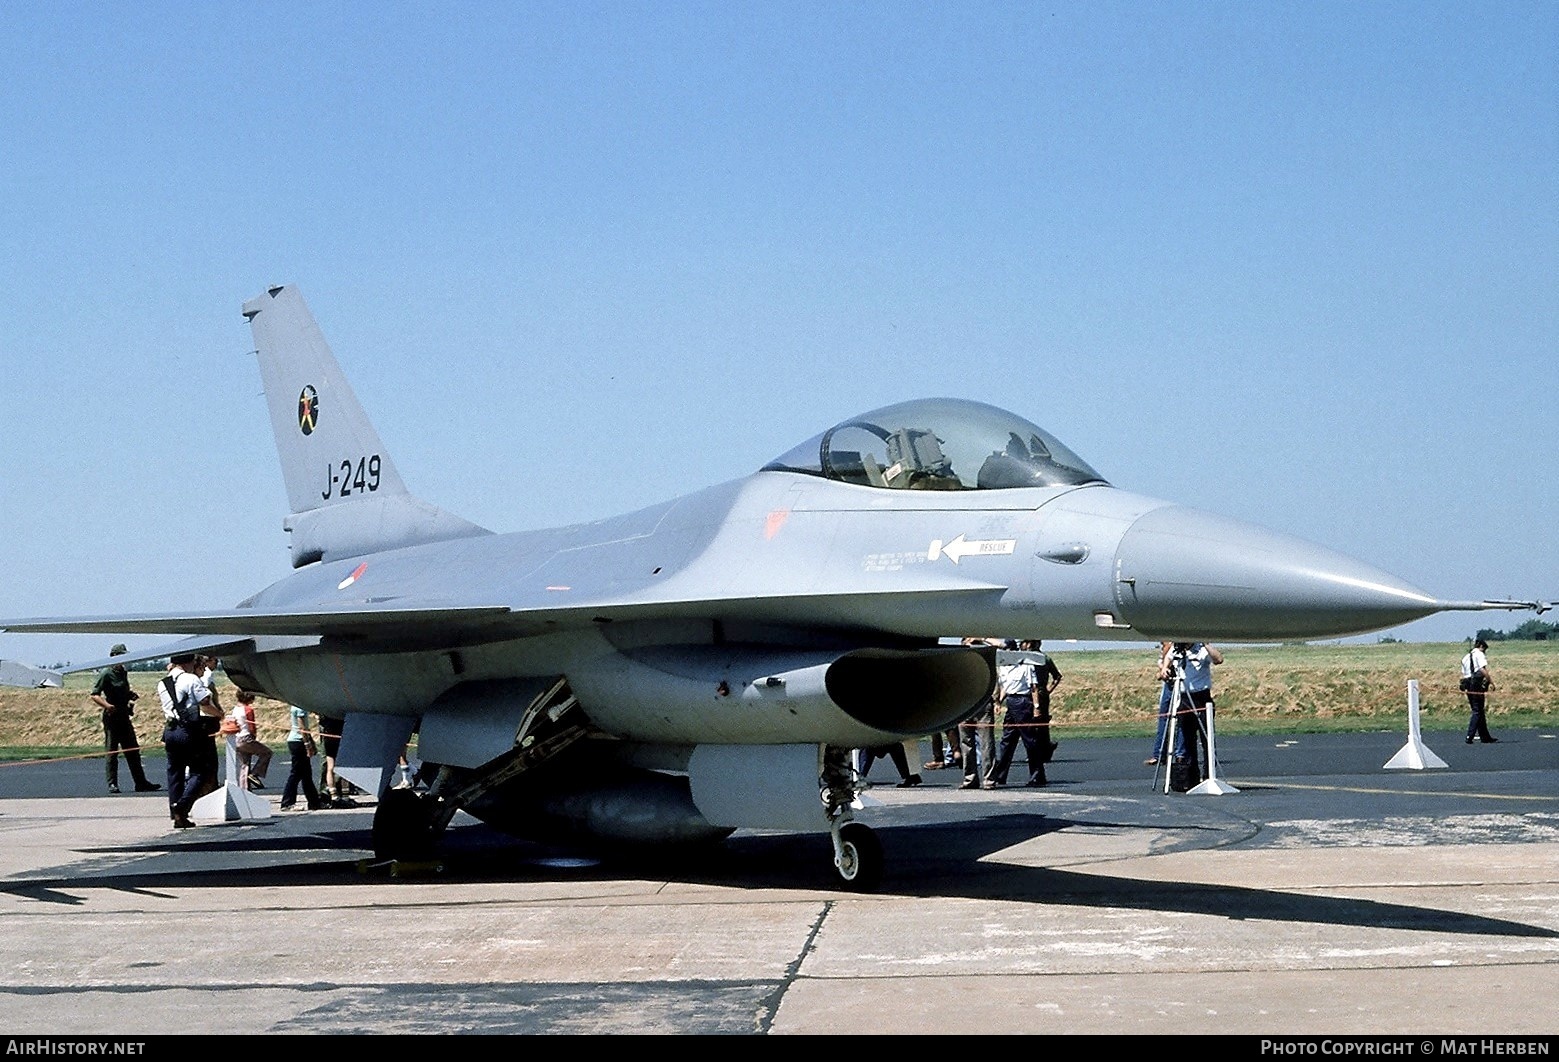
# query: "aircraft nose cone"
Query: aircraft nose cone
{"points": [[1186, 574]]}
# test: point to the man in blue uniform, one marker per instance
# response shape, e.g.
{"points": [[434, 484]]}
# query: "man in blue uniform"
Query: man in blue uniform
{"points": [[185, 700], [1025, 688]]}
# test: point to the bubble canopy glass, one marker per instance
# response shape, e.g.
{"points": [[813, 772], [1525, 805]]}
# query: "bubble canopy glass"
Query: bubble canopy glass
{"points": [[938, 444]]}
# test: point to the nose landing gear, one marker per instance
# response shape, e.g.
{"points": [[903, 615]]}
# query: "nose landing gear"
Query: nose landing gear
{"points": [[857, 852], [857, 856]]}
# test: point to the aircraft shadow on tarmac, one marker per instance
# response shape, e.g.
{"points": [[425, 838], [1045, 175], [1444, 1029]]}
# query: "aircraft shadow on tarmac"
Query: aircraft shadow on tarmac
{"points": [[932, 860]]}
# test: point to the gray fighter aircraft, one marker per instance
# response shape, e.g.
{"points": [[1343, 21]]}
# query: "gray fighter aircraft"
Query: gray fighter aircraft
{"points": [[14, 673], [706, 664]]}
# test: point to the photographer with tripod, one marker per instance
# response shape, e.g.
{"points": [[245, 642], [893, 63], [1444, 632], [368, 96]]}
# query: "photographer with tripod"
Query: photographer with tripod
{"points": [[1192, 663], [1166, 696]]}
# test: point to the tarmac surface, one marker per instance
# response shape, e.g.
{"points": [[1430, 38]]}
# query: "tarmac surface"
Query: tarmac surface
{"points": [[1327, 896]]}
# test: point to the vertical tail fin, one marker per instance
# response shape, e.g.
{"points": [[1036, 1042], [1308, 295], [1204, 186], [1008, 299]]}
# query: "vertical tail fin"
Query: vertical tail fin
{"points": [[345, 494]]}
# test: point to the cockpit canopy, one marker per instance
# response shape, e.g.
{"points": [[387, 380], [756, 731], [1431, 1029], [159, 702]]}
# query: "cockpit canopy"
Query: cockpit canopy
{"points": [[938, 444]]}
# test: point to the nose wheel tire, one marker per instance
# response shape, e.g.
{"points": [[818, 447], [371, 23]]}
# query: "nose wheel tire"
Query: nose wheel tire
{"points": [[859, 860]]}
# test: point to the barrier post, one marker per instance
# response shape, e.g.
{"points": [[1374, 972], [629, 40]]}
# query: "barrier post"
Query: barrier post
{"points": [[232, 803], [1212, 785], [1415, 755]]}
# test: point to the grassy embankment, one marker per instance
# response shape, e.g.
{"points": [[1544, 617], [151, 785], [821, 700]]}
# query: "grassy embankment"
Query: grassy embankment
{"points": [[49, 723], [1105, 693], [1314, 688]]}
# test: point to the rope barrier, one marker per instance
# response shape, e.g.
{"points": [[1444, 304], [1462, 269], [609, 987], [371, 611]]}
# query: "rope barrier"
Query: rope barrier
{"points": [[1382, 701], [1148, 717], [319, 735]]}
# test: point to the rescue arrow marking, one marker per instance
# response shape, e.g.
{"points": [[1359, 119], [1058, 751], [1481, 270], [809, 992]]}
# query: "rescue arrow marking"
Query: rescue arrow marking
{"points": [[959, 548]]}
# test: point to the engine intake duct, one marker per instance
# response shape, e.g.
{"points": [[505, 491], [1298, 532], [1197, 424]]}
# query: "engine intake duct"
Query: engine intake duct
{"points": [[755, 695], [909, 693]]}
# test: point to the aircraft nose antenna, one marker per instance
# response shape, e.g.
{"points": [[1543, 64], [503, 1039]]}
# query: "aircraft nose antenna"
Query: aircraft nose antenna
{"points": [[1183, 573]]}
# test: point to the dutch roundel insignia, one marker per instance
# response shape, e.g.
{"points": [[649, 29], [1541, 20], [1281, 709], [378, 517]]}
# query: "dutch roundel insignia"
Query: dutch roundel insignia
{"points": [[308, 409]]}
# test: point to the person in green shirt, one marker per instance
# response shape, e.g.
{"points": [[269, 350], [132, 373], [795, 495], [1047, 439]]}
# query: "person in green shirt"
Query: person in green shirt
{"points": [[113, 695]]}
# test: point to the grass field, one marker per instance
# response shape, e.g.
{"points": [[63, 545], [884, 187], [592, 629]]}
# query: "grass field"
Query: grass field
{"points": [[1104, 693], [1313, 688]]}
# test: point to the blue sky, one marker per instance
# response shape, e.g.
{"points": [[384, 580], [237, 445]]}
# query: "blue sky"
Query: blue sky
{"points": [[1295, 263]]}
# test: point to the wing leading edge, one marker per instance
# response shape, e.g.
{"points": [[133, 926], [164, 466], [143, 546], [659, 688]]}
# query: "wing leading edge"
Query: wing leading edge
{"points": [[244, 623], [452, 625]]}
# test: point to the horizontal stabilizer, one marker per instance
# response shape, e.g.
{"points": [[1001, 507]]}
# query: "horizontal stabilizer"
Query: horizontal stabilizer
{"points": [[205, 645], [369, 525]]}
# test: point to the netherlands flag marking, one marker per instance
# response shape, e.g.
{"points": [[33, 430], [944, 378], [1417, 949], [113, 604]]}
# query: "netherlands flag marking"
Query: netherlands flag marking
{"points": [[356, 574]]}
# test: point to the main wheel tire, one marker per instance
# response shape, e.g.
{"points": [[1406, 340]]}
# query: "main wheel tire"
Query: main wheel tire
{"points": [[403, 826], [861, 867]]}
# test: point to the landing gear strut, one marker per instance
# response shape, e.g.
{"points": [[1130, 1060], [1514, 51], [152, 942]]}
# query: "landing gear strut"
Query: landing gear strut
{"points": [[857, 856], [857, 852], [407, 825]]}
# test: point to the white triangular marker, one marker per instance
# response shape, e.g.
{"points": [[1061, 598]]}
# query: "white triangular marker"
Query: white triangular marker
{"points": [[1212, 785], [231, 804], [1414, 755]]}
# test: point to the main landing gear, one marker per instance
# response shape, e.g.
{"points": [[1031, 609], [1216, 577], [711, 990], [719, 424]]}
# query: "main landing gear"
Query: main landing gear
{"points": [[403, 827], [407, 824]]}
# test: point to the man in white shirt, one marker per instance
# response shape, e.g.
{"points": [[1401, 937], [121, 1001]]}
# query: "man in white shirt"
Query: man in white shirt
{"points": [[185, 699], [1477, 683], [1195, 661], [204, 669], [1025, 687]]}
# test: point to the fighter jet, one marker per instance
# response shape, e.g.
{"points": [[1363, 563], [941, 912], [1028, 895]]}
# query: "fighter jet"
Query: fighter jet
{"points": [[15, 673], [709, 663]]}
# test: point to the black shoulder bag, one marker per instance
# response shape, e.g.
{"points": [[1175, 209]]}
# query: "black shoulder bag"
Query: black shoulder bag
{"points": [[1474, 682], [187, 715]]}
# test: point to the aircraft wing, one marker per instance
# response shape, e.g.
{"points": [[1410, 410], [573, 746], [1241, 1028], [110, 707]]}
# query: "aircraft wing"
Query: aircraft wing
{"points": [[387, 623], [250, 622]]}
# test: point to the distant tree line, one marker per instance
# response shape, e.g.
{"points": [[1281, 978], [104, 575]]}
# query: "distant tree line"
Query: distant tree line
{"points": [[1530, 631]]}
